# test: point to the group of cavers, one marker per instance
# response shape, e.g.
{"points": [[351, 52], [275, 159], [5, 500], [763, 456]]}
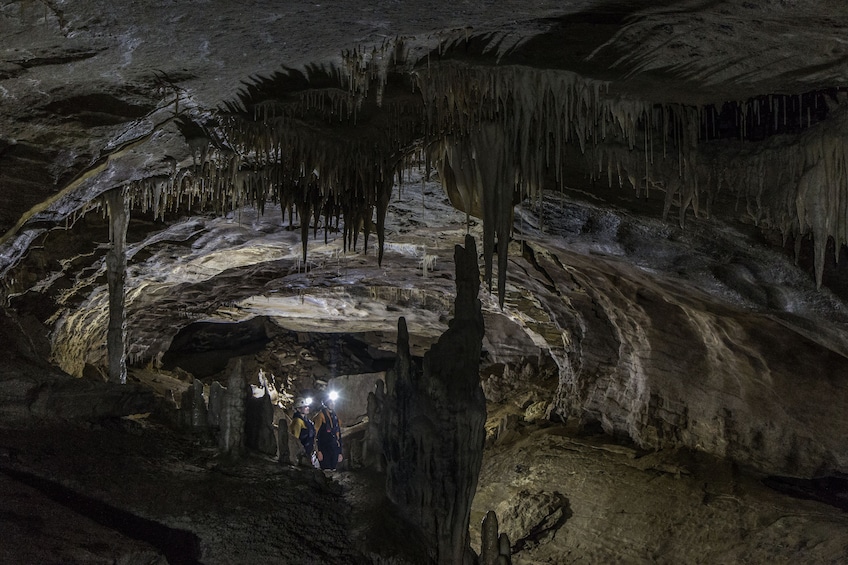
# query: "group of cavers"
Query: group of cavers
{"points": [[320, 435]]}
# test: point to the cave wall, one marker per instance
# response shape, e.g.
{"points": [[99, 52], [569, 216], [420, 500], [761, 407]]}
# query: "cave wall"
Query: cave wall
{"points": [[663, 366]]}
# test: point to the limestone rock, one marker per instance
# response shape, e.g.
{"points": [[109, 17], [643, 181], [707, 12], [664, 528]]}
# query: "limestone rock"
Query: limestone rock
{"points": [[494, 548], [287, 445], [536, 412], [655, 363], [352, 405], [372, 447], [193, 411], [529, 518], [86, 400], [216, 402]]}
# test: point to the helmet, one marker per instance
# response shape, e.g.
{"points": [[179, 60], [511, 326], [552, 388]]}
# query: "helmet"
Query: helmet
{"points": [[301, 402]]}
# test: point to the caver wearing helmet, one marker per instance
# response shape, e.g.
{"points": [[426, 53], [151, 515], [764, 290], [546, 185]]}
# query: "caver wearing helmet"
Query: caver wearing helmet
{"points": [[302, 402], [302, 428], [328, 433]]}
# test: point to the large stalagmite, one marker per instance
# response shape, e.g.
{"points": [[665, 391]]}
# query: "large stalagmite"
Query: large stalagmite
{"points": [[432, 423]]}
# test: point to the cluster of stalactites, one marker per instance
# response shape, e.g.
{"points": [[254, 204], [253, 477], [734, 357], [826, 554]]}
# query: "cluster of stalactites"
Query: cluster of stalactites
{"points": [[319, 175], [307, 190], [797, 185], [502, 130], [289, 151], [542, 110], [365, 69], [496, 134], [799, 188]]}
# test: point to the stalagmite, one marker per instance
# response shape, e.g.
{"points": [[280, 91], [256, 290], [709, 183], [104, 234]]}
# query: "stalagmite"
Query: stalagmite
{"points": [[494, 549], [432, 423], [232, 421], [259, 425], [116, 273], [193, 411]]}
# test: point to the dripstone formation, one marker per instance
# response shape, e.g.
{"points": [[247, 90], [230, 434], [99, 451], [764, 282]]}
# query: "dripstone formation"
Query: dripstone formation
{"points": [[659, 195], [432, 423]]}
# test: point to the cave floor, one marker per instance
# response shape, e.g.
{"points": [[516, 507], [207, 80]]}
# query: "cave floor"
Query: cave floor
{"points": [[624, 505], [127, 490], [132, 490]]}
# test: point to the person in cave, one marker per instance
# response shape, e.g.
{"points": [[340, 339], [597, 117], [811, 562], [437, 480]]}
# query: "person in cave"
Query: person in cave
{"points": [[303, 429], [328, 434]]}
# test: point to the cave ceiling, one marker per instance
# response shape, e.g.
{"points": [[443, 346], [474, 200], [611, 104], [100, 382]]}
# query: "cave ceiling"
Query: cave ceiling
{"points": [[226, 123]]}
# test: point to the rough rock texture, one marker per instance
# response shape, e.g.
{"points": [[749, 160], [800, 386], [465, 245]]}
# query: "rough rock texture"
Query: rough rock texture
{"points": [[158, 497], [548, 342], [32, 535], [622, 122], [288, 447], [632, 506], [194, 413], [431, 423], [651, 358], [528, 518], [217, 393], [354, 390], [494, 547]]}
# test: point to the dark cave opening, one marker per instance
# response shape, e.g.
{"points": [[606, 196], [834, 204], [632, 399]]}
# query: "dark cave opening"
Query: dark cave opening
{"points": [[204, 348], [763, 116], [829, 490]]}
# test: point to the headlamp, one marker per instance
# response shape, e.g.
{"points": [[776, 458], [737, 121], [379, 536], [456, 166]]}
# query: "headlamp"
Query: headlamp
{"points": [[333, 395]]}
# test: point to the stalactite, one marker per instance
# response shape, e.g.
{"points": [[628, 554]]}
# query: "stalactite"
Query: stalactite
{"points": [[498, 130]]}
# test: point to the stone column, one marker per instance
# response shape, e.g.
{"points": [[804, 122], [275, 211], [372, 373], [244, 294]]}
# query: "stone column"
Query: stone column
{"points": [[116, 274], [231, 435]]}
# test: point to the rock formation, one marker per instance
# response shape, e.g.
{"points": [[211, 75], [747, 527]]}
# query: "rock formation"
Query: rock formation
{"points": [[116, 273], [259, 424], [431, 423], [194, 413], [494, 546], [231, 437], [659, 191]]}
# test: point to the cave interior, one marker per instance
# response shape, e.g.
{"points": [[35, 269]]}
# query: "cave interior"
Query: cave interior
{"points": [[208, 209]]}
